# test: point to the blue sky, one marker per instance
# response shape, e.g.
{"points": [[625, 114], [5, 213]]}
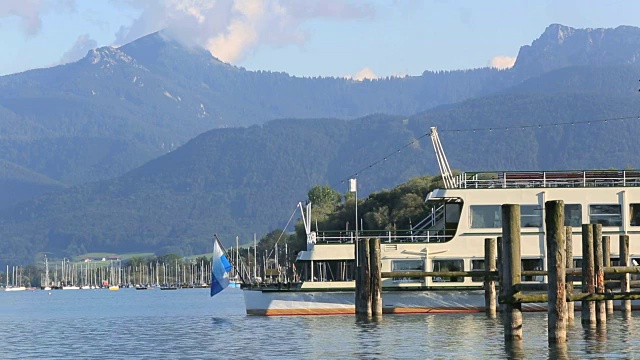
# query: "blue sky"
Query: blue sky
{"points": [[302, 37]]}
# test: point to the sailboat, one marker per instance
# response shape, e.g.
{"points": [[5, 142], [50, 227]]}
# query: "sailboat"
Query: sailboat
{"points": [[234, 282], [15, 286], [47, 280]]}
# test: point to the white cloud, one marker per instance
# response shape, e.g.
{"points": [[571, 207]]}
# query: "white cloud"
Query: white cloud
{"points": [[30, 12], [364, 73], [83, 44], [502, 62], [231, 29]]}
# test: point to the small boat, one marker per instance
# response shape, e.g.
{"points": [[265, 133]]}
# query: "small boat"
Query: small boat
{"points": [[114, 287], [15, 288]]}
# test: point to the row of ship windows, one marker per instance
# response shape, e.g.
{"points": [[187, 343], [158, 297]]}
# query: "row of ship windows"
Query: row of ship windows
{"points": [[490, 216], [476, 264]]}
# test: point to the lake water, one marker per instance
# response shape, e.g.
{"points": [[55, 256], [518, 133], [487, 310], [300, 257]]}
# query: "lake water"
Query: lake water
{"points": [[188, 324]]}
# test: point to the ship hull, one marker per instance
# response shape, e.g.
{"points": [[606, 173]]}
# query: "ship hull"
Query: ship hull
{"points": [[268, 302]]}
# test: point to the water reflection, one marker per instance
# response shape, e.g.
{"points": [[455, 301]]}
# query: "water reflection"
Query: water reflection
{"points": [[558, 351], [515, 350], [188, 324]]}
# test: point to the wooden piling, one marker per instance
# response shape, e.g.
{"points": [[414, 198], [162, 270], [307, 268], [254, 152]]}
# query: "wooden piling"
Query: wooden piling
{"points": [[363, 280], [569, 264], [490, 254], [625, 305], [556, 265], [376, 278], [598, 254], [500, 274], [606, 253], [588, 308], [511, 268], [366, 274]]}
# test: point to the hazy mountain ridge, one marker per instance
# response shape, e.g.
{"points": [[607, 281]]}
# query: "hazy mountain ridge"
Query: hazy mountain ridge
{"points": [[237, 181], [176, 202]]}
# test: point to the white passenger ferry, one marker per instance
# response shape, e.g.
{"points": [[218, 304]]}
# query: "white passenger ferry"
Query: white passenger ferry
{"points": [[466, 211]]}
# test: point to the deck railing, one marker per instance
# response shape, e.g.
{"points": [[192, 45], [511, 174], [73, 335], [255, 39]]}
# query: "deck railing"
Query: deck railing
{"points": [[549, 179], [399, 236]]}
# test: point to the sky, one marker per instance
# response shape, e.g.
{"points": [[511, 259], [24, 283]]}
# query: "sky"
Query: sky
{"points": [[340, 38]]}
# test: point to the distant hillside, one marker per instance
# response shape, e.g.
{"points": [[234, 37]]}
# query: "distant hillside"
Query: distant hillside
{"points": [[176, 202], [118, 108], [20, 184]]}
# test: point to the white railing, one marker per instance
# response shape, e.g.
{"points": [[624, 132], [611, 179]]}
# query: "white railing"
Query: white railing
{"points": [[546, 179], [404, 236], [431, 220]]}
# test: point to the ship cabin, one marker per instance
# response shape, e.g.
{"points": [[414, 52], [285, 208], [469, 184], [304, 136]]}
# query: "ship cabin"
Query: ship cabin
{"points": [[451, 237]]}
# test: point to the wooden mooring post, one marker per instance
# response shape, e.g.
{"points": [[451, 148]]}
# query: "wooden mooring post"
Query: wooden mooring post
{"points": [[569, 264], [511, 269], [490, 258], [556, 265], [598, 257], [625, 305], [363, 279], [588, 316], [376, 277], [606, 254]]}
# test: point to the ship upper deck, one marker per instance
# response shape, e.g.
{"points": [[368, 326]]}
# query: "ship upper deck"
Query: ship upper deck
{"points": [[547, 179]]}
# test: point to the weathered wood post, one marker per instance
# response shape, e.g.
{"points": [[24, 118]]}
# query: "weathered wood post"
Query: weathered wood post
{"points": [[569, 264], [556, 266], [366, 274], [606, 253], [363, 280], [490, 254], [625, 305], [376, 278], [500, 273], [512, 271], [598, 254], [588, 275]]}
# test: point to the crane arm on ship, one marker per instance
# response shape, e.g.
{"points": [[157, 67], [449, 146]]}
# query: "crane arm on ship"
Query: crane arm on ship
{"points": [[443, 164]]}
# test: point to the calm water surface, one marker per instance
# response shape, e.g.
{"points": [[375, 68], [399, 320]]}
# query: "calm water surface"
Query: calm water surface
{"points": [[188, 324]]}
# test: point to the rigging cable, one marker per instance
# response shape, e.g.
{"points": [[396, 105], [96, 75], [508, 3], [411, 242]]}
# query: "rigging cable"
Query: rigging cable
{"points": [[487, 129]]}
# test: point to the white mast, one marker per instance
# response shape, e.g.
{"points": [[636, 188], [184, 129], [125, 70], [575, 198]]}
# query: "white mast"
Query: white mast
{"points": [[443, 164], [237, 264]]}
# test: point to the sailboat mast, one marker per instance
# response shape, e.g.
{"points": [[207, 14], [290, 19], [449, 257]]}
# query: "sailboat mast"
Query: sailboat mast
{"points": [[255, 256], [237, 258]]}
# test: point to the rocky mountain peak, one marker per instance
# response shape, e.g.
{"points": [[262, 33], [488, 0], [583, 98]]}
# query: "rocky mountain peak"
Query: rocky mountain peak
{"points": [[563, 46]]}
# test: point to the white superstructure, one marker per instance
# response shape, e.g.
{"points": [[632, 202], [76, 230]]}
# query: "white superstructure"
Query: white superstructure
{"points": [[452, 238]]}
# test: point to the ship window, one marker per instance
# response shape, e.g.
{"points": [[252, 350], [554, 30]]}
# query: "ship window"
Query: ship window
{"points": [[606, 214], [532, 264], [448, 265], [530, 216], [407, 265], [477, 265], [634, 214], [486, 216], [573, 215]]}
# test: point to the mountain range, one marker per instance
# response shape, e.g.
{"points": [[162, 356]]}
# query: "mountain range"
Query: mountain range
{"points": [[155, 146]]}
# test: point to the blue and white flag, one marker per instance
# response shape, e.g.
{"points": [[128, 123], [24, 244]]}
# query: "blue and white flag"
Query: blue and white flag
{"points": [[220, 267]]}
